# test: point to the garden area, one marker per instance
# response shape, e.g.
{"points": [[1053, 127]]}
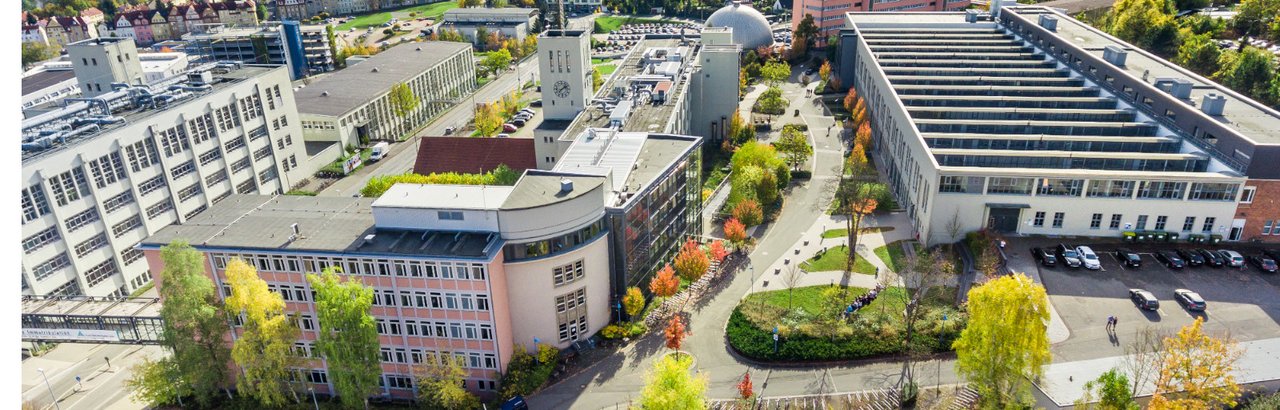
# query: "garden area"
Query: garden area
{"points": [[608, 24], [812, 324], [432, 11], [836, 259]]}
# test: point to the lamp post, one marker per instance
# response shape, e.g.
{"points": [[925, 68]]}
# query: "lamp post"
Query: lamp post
{"points": [[46, 384], [312, 390]]}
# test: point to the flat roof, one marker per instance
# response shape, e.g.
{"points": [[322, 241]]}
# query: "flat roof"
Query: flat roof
{"points": [[326, 224], [488, 11], [635, 159], [540, 188], [440, 196], [90, 306], [45, 79], [345, 90], [646, 117]]}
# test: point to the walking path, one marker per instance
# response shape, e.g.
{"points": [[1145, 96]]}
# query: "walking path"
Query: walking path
{"points": [[812, 242]]}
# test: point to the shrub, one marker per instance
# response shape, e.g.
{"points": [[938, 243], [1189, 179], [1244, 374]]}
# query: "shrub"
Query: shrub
{"points": [[748, 212], [525, 373], [613, 331], [498, 176]]}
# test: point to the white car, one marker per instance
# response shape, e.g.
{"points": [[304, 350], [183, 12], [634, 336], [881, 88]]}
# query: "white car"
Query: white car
{"points": [[1089, 258]]}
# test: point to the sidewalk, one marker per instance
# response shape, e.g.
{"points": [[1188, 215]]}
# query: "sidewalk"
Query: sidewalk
{"points": [[773, 277]]}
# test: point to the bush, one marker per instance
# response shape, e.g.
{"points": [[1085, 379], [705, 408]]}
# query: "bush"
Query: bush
{"points": [[613, 331], [499, 176], [803, 174], [527, 373], [748, 212]]}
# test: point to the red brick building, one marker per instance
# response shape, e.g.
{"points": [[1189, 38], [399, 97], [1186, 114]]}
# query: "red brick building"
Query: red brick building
{"points": [[1258, 214]]}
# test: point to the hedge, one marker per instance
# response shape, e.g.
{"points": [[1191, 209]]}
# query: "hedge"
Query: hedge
{"points": [[753, 342]]}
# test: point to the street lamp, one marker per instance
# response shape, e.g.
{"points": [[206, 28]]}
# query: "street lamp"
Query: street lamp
{"points": [[46, 384], [312, 390]]}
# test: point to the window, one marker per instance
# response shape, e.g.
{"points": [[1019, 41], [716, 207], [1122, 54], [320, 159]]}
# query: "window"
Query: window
{"points": [[1161, 190], [1039, 220], [1208, 224], [50, 266], [563, 275], [107, 169], [142, 154], [201, 128], [1110, 189], [174, 140], [34, 203], [234, 143], [1247, 196], [159, 208], [240, 165], [1202, 191], [210, 156], [101, 272], [194, 212], [77, 221], [262, 153], [267, 175], [69, 186], [126, 226], [1188, 224], [306, 322], [1142, 222], [1115, 221], [188, 192], [1095, 222], [216, 177], [151, 185], [250, 107], [571, 314], [227, 119], [1266, 227], [40, 239], [118, 201], [183, 169], [91, 244], [1160, 222], [131, 255], [959, 184], [449, 215], [1057, 219], [1010, 186], [1060, 187], [247, 186]]}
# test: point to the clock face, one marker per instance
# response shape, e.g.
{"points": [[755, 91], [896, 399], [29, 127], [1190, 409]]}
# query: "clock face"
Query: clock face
{"points": [[562, 88]]}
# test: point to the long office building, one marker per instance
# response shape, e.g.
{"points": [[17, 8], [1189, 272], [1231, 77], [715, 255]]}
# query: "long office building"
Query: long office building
{"points": [[1031, 122], [305, 49], [470, 271], [102, 173]]}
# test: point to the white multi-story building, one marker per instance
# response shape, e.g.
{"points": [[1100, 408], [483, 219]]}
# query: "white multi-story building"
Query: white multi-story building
{"points": [[100, 175], [564, 64]]}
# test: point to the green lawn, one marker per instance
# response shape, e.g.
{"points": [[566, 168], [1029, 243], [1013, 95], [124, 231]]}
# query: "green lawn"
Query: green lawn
{"points": [[600, 60], [834, 259], [606, 69], [840, 233], [432, 11], [809, 298], [892, 255], [608, 24]]}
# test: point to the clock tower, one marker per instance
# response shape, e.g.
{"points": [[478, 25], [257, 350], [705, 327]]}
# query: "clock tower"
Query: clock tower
{"points": [[564, 67]]}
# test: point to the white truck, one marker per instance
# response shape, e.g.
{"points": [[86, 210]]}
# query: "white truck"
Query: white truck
{"points": [[379, 151]]}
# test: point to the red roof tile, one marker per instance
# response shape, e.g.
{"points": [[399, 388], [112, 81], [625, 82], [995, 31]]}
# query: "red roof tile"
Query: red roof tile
{"points": [[473, 155]]}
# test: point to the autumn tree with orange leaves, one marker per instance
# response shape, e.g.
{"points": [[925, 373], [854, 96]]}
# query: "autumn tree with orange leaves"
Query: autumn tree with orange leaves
{"points": [[745, 389], [675, 333], [858, 195], [735, 232], [717, 251], [664, 283], [692, 262]]}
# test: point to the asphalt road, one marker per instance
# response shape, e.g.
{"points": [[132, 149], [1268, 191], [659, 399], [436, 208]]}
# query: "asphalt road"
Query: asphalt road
{"points": [[99, 388]]}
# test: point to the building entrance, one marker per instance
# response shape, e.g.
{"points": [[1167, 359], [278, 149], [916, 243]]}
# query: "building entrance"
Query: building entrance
{"points": [[1003, 220]]}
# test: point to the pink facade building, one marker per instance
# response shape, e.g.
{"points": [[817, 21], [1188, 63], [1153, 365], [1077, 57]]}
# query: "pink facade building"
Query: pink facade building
{"points": [[829, 14]]}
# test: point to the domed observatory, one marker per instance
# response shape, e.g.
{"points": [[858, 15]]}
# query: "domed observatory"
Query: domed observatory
{"points": [[750, 29]]}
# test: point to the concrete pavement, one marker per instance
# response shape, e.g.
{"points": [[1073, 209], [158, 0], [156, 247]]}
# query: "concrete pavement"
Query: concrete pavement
{"points": [[100, 387]]}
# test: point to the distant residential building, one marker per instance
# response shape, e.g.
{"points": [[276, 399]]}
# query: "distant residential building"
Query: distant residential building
{"points": [[510, 22], [92, 16], [66, 30], [34, 33], [829, 15], [352, 106], [305, 49]]}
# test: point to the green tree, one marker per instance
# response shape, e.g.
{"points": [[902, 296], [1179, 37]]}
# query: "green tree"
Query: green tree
{"points": [[1196, 371], [1146, 23], [671, 386], [264, 350], [1110, 391], [772, 102], [1005, 344], [775, 72], [348, 337], [597, 80], [402, 99], [807, 30], [488, 120], [1250, 72], [794, 146], [1198, 52], [153, 382], [440, 381], [261, 10], [33, 52], [496, 61], [108, 7], [739, 130], [633, 302], [194, 323], [1255, 17]]}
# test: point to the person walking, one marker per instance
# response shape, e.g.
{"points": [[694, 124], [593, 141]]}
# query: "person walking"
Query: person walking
{"points": [[1110, 320]]}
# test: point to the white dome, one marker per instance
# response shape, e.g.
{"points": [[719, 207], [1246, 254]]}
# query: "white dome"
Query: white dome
{"points": [[750, 29]]}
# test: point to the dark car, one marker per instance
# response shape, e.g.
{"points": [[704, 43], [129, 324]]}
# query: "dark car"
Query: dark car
{"points": [[1189, 300], [1129, 258], [1274, 254], [1263, 263], [1143, 299], [1044, 257], [1211, 258], [1170, 259], [1192, 258], [1068, 256]]}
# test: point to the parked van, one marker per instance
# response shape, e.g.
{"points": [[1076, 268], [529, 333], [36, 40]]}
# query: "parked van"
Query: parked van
{"points": [[379, 151]]}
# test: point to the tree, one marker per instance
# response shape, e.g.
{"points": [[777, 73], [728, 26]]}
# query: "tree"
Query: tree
{"points": [[1110, 391], [1255, 17], [597, 79], [440, 380], [851, 99], [1250, 71], [857, 196], [863, 136], [923, 273], [496, 61], [824, 71], [264, 350], [153, 382], [748, 212], [775, 72], [671, 386], [1143, 355], [402, 100], [735, 231], [794, 146], [1149, 24], [529, 45], [745, 389], [739, 130], [633, 302], [674, 333], [1004, 344], [108, 8], [1196, 371], [488, 120], [664, 283], [716, 251], [194, 323], [806, 31], [348, 337], [692, 262], [261, 11], [794, 274], [772, 102], [470, 3], [33, 52]]}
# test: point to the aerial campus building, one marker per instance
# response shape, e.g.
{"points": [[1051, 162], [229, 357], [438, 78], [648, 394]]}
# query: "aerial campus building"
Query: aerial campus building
{"points": [[100, 174], [1031, 122]]}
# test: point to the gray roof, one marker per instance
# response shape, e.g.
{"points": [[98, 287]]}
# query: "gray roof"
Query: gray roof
{"points": [[539, 188], [327, 224], [41, 80], [347, 89], [636, 159], [487, 11]]}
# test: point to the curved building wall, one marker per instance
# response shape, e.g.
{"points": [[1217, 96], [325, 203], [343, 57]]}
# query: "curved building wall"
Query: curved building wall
{"points": [[554, 219], [553, 313]]}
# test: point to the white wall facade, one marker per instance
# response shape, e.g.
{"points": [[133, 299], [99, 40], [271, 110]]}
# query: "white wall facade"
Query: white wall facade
{"points": [[533, 293], [564, 59]]}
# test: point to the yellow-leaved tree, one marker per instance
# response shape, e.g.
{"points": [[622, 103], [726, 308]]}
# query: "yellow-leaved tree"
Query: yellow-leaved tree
{"points": [[264, 349], [1195, 371], [670, 386], [1005, 344]]}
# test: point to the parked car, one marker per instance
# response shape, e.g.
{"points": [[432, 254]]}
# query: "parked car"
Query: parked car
{"points": [[1170, 259], [509, 127], [519, 122], [1232, 258], [449, 130], [1189, 300], [527, 111], [1263, 263], [1044, 257], [1089, 258], [1191, 257], [504, 135], [1068, 256], [536, 103], [1211, 258], [1274, 254], [1129, 258], [1144, 299]]}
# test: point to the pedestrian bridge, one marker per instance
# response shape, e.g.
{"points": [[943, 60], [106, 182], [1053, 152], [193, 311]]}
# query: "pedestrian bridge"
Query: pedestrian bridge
{"points": [[85, 319]]}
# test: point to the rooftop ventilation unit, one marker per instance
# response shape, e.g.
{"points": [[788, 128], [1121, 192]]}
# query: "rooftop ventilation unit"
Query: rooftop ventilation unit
{"points": [[1114, 55], [1213, 104], [201, 77], [1179, 88], [566, 185], [1049, 22]]}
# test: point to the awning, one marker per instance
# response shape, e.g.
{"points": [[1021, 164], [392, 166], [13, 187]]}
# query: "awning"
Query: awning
{"points": [[1007, 206]]}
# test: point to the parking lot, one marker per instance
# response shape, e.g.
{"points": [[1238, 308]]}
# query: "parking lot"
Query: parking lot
{"points": [[1242, 301]]}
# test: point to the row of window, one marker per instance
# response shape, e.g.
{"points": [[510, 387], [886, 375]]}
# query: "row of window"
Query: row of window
{"points": [[1199, 191], [411, 327], [357, 266], [1161, 222], [432, 300]]}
